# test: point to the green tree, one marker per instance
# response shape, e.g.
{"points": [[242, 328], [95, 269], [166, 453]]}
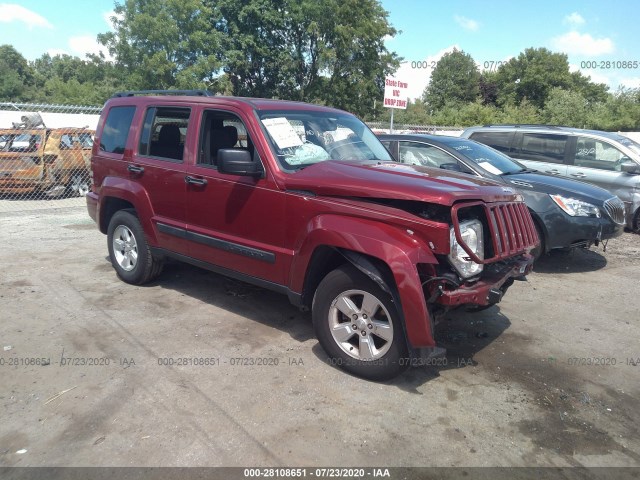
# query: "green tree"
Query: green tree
{"points": [[165, 43], [455, 79], [327, 51], [525, 112], [465, 115], [415, 114], [15, 74], [620, 112], [71, 80], [564, 107], [532, 75]]}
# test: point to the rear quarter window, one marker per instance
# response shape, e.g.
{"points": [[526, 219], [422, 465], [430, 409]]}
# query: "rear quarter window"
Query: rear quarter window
{"points": [[543, 147], [501, 141], [116, 129]]}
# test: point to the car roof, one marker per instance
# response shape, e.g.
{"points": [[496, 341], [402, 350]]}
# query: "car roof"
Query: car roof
{"points": [[442, 139], [132, 98], [544, 129]]}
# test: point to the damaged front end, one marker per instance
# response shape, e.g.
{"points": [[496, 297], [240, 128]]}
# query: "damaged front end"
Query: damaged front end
{"points": [[490, 247]]}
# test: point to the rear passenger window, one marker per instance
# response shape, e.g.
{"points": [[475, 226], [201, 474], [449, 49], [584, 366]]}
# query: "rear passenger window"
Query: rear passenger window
{"points": [[164, 132], [593, 153], [501, 141], [543, 147], [116, 129]]}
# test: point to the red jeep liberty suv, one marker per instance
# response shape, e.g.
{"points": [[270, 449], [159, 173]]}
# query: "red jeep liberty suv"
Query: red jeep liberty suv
{"points": [[304, 200]]}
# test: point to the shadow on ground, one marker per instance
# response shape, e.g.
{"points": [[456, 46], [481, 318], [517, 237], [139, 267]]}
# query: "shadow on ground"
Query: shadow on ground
{"points": [[575, 261]]}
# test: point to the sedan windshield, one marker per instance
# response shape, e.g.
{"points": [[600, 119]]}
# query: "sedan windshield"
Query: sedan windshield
{"points": [[300, 138], [631, 145], [487, 158]]}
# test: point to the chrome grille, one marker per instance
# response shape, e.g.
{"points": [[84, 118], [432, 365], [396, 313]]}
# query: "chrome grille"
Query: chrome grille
{"points": [[514, 230], [511, 229], [615, 209]]}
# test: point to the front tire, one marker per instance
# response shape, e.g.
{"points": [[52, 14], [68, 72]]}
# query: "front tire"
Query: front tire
{"points": [[540, 250], [129, 251], [636, 222], [359, 326]]}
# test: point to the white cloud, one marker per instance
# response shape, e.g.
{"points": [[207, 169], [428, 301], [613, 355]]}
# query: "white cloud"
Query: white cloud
{"points": [[630, 82], [107, 18], [84, 44], [466, 23], [574, 19], [418, 78], [10, 12], [575, 43], [57, 51]]}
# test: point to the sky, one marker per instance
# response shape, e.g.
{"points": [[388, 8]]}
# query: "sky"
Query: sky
{"points": [[489, 30]]}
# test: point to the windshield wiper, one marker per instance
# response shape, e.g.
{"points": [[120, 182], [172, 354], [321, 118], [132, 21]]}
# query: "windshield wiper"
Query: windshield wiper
{"points": [[524, 170]]}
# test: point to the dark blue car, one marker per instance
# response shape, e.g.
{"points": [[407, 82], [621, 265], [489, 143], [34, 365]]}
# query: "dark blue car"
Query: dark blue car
{"points": [[567, 213]]}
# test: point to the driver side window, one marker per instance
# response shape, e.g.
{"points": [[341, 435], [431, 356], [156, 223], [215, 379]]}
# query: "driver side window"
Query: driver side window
{"points": [[592, 153], [414, 153]]}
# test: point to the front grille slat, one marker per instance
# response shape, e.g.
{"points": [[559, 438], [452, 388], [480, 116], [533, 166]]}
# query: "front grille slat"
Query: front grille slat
{"points": [[515, 231], [615, 210], [511, 229]]}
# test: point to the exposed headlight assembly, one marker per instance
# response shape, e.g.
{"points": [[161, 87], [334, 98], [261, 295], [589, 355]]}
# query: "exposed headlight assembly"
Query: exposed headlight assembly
{"points": [[472, 235], [575, 207]]}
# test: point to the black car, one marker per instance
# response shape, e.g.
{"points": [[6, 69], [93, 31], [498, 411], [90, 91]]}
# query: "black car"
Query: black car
{"points": [[567, 213]]}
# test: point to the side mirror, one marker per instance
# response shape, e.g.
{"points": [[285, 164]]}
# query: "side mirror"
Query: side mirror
{"points": [[238, 162], [630, 167], [451, 166]]}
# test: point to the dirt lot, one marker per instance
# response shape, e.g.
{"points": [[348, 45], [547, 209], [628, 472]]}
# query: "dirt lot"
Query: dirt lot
{"points": [[512, 392]]}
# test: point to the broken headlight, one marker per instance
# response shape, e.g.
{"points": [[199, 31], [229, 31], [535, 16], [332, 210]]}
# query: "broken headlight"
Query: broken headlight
{"points": [[472, 235]]}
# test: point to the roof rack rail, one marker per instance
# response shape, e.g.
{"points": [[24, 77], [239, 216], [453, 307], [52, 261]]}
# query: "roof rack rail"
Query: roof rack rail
{"points": [[191, 93], [526, 125]]}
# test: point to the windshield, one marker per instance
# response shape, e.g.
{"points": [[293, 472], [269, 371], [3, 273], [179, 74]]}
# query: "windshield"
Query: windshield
{"points": [[631, 145], [300, 138], [487, 158]]}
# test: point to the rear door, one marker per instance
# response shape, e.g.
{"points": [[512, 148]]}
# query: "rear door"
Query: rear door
{"points": [[235, 222], [542, 151], [158, 165]]}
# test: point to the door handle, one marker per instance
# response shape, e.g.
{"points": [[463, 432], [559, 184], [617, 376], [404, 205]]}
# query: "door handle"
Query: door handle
{"points": [[553, 172], [195, 181], [578, 175], [135, 169]]}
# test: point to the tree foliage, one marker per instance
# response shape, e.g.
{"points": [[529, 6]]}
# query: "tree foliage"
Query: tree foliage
{"points": [[329, 51], [323, 51], [455, 79], [165, 43]]}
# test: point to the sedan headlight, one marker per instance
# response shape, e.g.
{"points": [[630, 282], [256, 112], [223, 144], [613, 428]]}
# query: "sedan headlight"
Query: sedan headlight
{"points": [[471, 233], [575, 207]]}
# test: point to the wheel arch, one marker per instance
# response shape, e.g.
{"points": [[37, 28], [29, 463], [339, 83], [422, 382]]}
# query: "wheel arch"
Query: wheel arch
{"points": [[385, 253], [118, 194]]}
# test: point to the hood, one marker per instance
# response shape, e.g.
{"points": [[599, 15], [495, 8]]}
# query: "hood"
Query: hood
{"points": [[395, 181], [551, 184]]}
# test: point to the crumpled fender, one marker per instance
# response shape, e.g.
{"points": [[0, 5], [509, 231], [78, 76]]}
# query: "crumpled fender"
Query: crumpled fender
{"points": [[390, 244], [133, 193]]}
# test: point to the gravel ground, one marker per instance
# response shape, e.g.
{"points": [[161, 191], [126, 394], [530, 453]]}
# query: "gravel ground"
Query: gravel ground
{"points": [[550, 377]]}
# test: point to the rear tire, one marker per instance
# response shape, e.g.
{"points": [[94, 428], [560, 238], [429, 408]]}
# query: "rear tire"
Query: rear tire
{"points": [[636, 222], [359, 326], [79, 184], [129, 251]]}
